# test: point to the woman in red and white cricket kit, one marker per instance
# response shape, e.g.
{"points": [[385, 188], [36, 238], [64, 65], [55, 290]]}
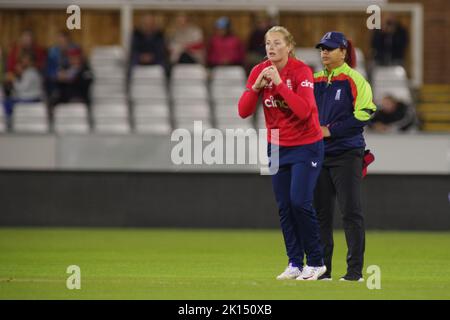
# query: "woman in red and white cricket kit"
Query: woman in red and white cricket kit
{"points": [[286, 86]]}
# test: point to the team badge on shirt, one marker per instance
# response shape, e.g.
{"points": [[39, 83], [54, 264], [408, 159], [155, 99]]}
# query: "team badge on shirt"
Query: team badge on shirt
{"points": [[289, 83], [338, 95]]}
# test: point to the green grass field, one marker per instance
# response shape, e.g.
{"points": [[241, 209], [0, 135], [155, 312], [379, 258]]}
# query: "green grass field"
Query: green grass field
{"points": [[208, 264]]}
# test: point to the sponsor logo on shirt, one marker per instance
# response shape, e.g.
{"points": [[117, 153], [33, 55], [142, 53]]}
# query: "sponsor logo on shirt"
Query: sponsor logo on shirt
{"points": [[306, 83], [275, 103]]}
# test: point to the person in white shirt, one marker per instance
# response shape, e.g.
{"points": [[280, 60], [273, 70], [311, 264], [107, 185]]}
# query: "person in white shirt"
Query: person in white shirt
{"points": [[186, 43], [23, 85]]}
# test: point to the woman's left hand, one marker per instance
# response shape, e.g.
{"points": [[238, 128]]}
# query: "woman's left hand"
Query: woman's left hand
{"points": [[272, 74], [325, 132]]}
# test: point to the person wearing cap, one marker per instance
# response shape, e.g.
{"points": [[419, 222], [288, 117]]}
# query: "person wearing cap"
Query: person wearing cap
{"points": [[224, 47], [344, 101]]}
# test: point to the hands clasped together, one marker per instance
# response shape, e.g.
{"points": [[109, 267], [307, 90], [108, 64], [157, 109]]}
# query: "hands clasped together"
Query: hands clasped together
{"points": [[268, 74]]}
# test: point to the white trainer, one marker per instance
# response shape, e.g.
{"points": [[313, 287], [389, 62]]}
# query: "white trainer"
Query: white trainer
{"points": [[290, 273], [312, 273]]}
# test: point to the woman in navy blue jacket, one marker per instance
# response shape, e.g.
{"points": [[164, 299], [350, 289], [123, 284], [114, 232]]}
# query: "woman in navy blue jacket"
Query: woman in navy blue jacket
{"points": [[344, 101]]}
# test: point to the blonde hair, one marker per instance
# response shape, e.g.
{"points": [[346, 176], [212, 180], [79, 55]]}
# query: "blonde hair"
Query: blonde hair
{"points": [[288, 37]]}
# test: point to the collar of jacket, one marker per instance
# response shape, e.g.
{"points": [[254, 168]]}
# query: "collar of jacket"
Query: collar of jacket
{"points": [[335, 72]]}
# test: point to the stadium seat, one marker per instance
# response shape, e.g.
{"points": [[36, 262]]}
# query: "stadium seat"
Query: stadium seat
{"points": [[391, 74], [310, 56], [107, 55], [110, 112], [226, 108], [260, 120], [153, 75], [114, 99], [111, 125], [228, 76], [111, 118], [362, 71], [360, 57], [71, 118], [189, 124], [189, 92], [107, 68], [109, 73], [152, 118], [152, 124], [148, 92], [30, 117], [102, 90], [151, 110], [191, 109], [188, 111], [233, 125], [2, 121], [219, 92], [189, 74], [391, 80], [71, 127], [400, 92]]}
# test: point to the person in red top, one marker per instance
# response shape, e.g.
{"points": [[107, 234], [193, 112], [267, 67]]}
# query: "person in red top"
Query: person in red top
{"points": [[25, 45], [285, 85], [224, 47]]}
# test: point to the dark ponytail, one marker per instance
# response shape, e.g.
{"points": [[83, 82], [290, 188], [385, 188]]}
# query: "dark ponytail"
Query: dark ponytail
{"points": [[350, 57]]}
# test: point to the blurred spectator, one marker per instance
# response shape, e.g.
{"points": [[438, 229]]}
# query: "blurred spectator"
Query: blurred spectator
{"points": [[2, 68], [57, 60], [389, 44], [147, 44], [224, 47], [186, 42], [73, 82], [23, 85], [256, 49], [25, 45], [393, 116]]}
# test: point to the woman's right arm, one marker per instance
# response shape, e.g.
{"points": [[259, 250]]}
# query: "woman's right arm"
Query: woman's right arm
{"points": [[249, 99]]}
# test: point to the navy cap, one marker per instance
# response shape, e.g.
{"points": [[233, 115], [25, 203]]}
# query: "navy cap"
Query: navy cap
{"points": [[333, 39]]}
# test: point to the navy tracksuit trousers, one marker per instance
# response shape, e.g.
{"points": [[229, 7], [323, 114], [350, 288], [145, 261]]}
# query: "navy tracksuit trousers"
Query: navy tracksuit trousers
{"points": [[293, 185]]}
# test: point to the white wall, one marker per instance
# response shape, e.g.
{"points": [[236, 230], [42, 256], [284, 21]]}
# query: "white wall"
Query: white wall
{"points": [[395, 154]]}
